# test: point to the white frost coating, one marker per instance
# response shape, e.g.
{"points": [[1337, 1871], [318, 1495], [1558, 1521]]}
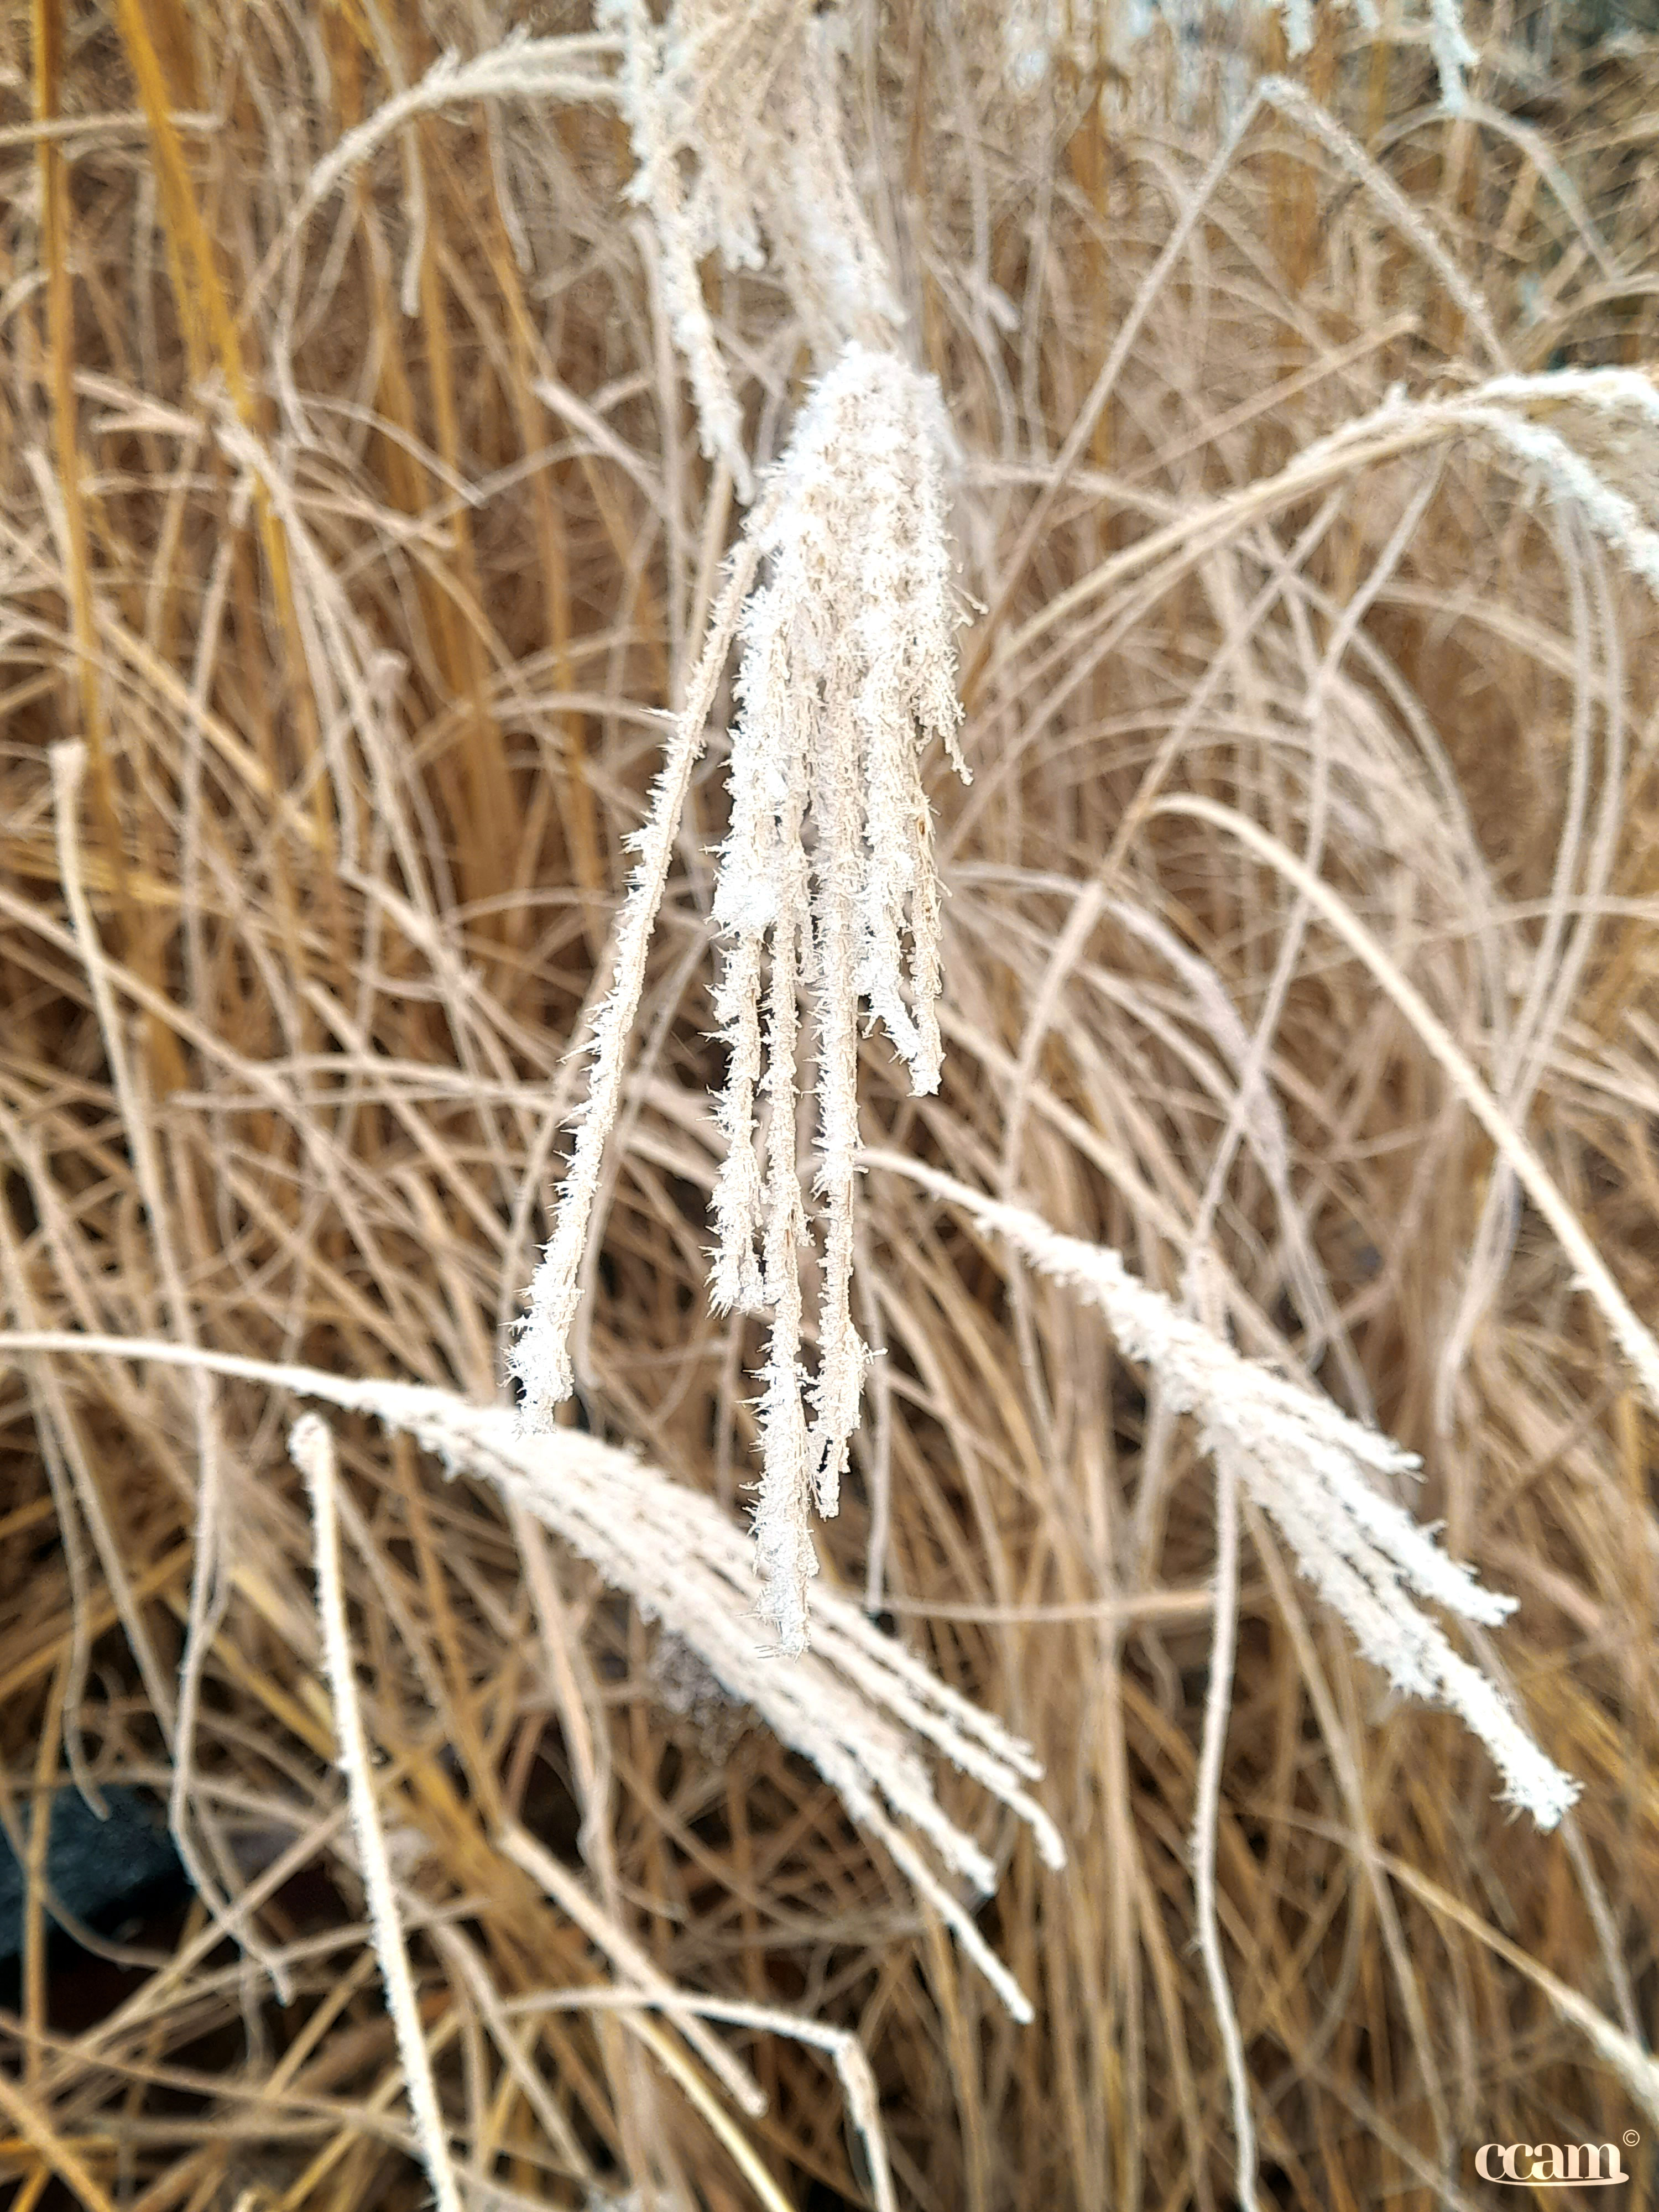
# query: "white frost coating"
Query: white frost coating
{"points": [[848, 672], [1452, 54], [657, 182], [540, 1358], [1570, 478], [1297, 18], [312, 1449], [1310, 1467], [733, 109], [1037, 32], [858, 1706], [1614, 391]]}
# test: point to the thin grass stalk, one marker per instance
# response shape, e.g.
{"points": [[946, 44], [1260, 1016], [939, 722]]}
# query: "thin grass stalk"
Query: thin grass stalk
{"points": [[313, 1449]]}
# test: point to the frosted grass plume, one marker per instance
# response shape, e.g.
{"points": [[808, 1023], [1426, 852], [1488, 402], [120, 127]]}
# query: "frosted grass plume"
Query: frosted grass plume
{"points": [[1313, 1471], [848, 673], [733, 110]]}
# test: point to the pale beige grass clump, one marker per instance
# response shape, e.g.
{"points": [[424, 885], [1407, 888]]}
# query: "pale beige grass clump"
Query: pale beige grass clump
{"points": [[1295, 945]]}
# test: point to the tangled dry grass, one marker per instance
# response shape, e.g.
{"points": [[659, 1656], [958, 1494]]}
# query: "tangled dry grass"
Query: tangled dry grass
{"points": [[1297, 942]]}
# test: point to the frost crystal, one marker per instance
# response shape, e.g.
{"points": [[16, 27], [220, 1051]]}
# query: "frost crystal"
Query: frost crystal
{"points": [[1312, 1470], [848, 670]]}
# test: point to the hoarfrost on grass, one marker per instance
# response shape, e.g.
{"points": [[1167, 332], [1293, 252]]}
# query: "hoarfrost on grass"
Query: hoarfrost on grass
{"points": [[847, 674], [1313, 1471], [860, 1708]]}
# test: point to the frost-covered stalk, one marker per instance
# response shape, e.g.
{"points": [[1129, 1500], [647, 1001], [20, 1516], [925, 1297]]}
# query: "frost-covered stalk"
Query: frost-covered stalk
{"points": [[1311, 1469], [540, 1358], [861, 1709], [847, 672], [657, 182], [311, 1447], [733, 110], [783, 1540]]}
